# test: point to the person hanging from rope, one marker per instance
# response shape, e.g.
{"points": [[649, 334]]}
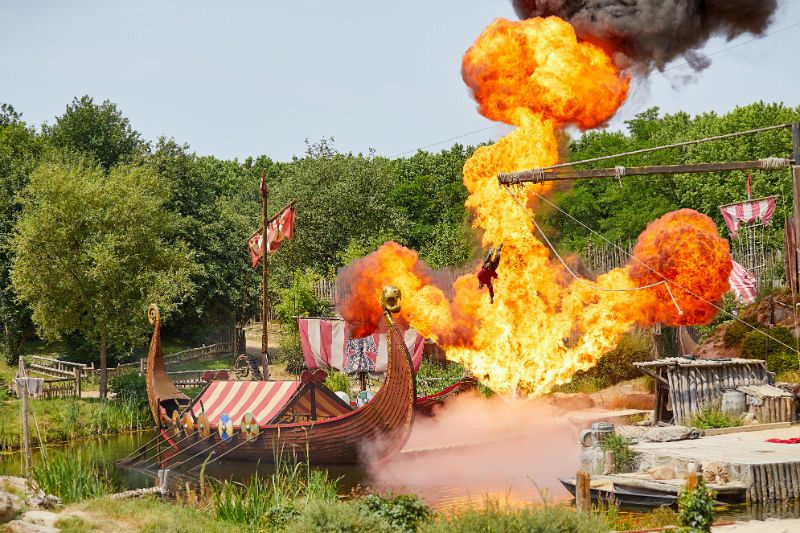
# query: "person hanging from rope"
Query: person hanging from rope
{"points": [[488, 270]]}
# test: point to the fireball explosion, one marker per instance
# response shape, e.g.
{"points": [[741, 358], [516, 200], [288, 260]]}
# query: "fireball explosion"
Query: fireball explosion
{"points": [[544, 325]]}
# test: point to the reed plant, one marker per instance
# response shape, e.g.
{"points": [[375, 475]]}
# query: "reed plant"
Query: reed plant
{"points": [[272, 501], [73, 477]]}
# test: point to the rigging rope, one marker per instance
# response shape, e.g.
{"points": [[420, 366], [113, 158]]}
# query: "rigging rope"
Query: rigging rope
{"points": [[718, 308], [579, 278], [668, 146]]}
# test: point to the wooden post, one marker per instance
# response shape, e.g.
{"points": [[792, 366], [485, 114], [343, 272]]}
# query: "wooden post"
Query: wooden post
{"points": [[103, 367], [583, 492], [22, 385], [313, 398], [796, 189], [264, 279], [77, 373], [691, 481]]}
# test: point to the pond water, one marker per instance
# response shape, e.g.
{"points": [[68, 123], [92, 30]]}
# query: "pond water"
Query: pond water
{"points": [[444, 478], [465, 485]]}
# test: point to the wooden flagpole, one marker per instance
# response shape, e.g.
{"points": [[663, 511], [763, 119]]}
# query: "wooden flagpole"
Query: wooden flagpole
{"points": [[264, 280]]}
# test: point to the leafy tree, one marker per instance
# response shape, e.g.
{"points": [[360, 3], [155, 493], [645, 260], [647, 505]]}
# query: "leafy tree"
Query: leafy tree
{"points": [[216, 220], [19, 153], [92, 254], [99, 131], [621, 209]]}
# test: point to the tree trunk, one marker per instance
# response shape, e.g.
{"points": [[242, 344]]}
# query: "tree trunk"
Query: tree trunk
{"points": [[103, 367]]}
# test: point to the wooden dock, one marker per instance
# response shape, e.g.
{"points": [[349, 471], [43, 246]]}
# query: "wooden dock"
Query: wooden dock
{"points": [[770, 471]]}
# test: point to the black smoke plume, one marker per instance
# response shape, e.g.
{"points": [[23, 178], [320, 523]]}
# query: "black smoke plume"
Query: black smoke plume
{"points": [[650, 33]]}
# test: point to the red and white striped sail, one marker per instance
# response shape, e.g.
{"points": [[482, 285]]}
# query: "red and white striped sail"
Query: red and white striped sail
{"points": [[749, 211], [264, 399], [326, 344], [743, 283]]}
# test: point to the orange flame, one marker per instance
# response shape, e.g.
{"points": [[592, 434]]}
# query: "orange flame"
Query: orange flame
{"points": [[544, 325]]}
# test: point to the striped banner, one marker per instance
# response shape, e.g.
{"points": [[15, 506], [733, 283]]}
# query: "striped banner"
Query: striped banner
{"points": [[735, 214], [743, 283], [264, 399], [326, 344]]}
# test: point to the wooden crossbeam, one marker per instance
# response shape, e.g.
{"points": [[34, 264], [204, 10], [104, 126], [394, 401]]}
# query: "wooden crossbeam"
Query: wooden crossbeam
{"points": [[540, 175]]}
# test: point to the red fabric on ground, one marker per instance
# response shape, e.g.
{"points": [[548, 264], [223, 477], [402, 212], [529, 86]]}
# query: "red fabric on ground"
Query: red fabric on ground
{"points": [[795, 440]]}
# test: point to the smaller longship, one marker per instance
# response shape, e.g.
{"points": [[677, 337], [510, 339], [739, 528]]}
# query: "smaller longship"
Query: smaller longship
{"points": [[263, 420], [429, 405]]}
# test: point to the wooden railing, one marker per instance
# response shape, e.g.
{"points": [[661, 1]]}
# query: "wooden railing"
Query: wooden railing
{"points": [[56, 368]]}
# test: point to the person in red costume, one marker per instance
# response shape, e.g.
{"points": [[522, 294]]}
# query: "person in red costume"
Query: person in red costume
{"points": [[488, 271]]}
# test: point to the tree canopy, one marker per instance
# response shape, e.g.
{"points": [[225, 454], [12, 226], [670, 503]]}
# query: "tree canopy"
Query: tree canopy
{"points": [[92, 252]]}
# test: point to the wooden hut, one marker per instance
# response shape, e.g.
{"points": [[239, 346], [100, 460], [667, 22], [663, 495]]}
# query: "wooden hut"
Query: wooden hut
{"points": [[684, 386]]}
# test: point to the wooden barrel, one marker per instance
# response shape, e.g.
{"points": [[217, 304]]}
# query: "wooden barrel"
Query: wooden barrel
{"points": [[734, 403]]}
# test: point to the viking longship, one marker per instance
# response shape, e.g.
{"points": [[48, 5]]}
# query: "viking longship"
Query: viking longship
{"points": [[262, 420]]}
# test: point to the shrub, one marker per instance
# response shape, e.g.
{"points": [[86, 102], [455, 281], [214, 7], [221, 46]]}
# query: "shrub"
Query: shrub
{"points": [[734, 333], [712, 417], [72, 478], [433, 377], [621, 448], [404, 512], [757, 345], [299, 299], [339, 517], [338, 382], [547, 519], [130, 387], [614, 366], [695, 507]]}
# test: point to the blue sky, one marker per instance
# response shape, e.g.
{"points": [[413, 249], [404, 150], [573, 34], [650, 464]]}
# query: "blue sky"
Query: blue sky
{"points": [[235, 79]]}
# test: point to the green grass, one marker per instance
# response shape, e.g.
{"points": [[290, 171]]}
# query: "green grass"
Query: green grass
{"points": [[205, 364], [7, 372], [64, 419], [72, 477], [147, 515], [498, 519]]}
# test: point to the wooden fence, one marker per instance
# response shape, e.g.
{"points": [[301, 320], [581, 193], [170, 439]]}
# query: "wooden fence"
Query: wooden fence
{"points": [[62, 388], [68, 376]]}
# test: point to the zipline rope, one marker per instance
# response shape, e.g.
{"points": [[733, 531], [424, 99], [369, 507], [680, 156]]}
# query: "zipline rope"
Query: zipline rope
{"points": [[579, 278], [625, 252]]}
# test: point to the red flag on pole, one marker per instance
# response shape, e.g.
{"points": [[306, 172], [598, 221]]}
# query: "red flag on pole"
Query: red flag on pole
{"points": [[280, 228]]}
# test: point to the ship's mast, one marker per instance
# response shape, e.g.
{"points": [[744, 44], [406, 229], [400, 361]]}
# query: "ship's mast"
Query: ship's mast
{"points": [[265, 281]]}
